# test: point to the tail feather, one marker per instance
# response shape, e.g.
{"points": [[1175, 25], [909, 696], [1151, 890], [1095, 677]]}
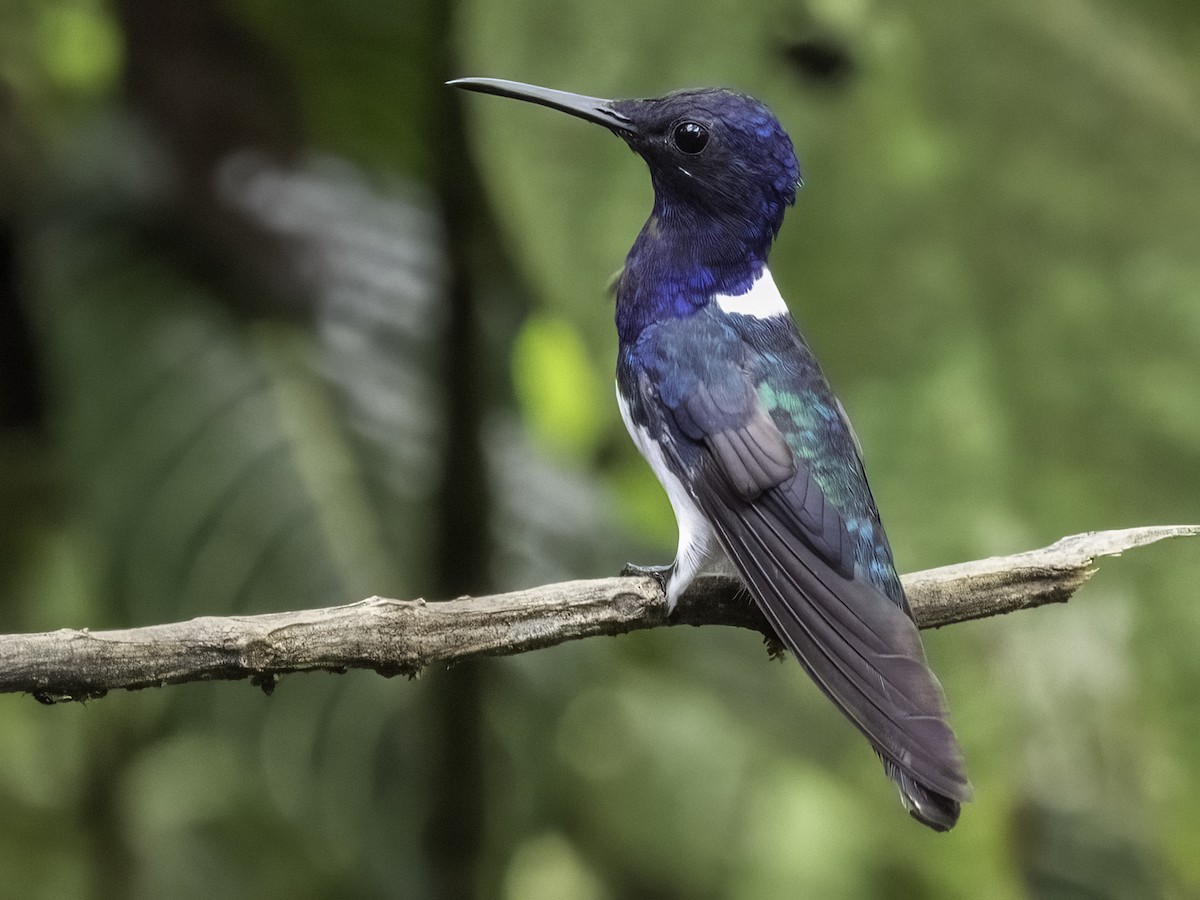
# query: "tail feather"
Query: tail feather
{"points": [[861, 649], [928, 807]]}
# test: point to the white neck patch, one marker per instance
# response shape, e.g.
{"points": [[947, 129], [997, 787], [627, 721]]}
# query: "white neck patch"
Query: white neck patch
{"points": [[762, 300]]}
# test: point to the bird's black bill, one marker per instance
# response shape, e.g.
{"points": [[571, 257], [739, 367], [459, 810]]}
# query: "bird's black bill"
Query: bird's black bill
{"points": [[593, 109]]}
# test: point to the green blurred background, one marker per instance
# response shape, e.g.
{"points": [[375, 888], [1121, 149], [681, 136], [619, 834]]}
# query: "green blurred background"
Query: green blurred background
{"points": [[284, 322]]}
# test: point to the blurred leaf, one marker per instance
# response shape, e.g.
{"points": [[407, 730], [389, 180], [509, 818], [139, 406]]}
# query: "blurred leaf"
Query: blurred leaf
{"points": [[176, 429], [549, 868], [560, 393], [79, 45]]}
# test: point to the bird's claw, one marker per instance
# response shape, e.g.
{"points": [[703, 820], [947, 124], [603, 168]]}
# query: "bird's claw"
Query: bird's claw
{"points": [[658, 573]]}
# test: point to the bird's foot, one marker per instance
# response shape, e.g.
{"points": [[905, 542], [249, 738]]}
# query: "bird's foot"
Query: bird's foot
{"points": [[659, 573]]}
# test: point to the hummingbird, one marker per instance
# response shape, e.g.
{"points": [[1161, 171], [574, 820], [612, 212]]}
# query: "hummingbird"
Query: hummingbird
{"points": [[727, 403]]}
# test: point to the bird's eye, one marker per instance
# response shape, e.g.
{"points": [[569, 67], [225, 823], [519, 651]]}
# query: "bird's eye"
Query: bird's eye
{"points": [[691, 137]]}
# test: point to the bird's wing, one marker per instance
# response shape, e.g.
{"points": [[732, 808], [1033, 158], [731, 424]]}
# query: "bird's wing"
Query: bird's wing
{"points": [[792, 544]]}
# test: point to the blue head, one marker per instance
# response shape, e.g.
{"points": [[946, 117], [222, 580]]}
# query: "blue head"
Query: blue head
{"points": [[724, 174], [715, 156]]}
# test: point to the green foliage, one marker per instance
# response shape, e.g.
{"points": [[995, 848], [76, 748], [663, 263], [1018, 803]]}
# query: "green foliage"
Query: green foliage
{"points": [[564, 399], [994, 257], [79, 46], [185, 431]]}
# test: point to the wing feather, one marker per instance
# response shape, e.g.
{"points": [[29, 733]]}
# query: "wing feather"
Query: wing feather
{"points": [[752, 451], [860, 648]]}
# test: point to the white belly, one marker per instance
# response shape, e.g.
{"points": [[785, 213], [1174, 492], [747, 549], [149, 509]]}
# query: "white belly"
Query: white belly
{"points": [[698, 548]]}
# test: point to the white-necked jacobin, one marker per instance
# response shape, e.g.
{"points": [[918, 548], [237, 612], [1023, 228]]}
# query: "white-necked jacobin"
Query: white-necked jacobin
{"points": [[725, 400]]}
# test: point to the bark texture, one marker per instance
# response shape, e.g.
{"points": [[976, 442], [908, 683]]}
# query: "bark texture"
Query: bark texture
{"points": [[402, 637]]}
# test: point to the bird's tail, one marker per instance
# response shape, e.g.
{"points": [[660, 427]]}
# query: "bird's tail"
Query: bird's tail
{"points": [[925, 805], [860, 647]]}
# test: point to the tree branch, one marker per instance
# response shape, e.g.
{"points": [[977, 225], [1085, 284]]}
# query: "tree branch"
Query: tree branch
{"points": [[396, 637]]}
